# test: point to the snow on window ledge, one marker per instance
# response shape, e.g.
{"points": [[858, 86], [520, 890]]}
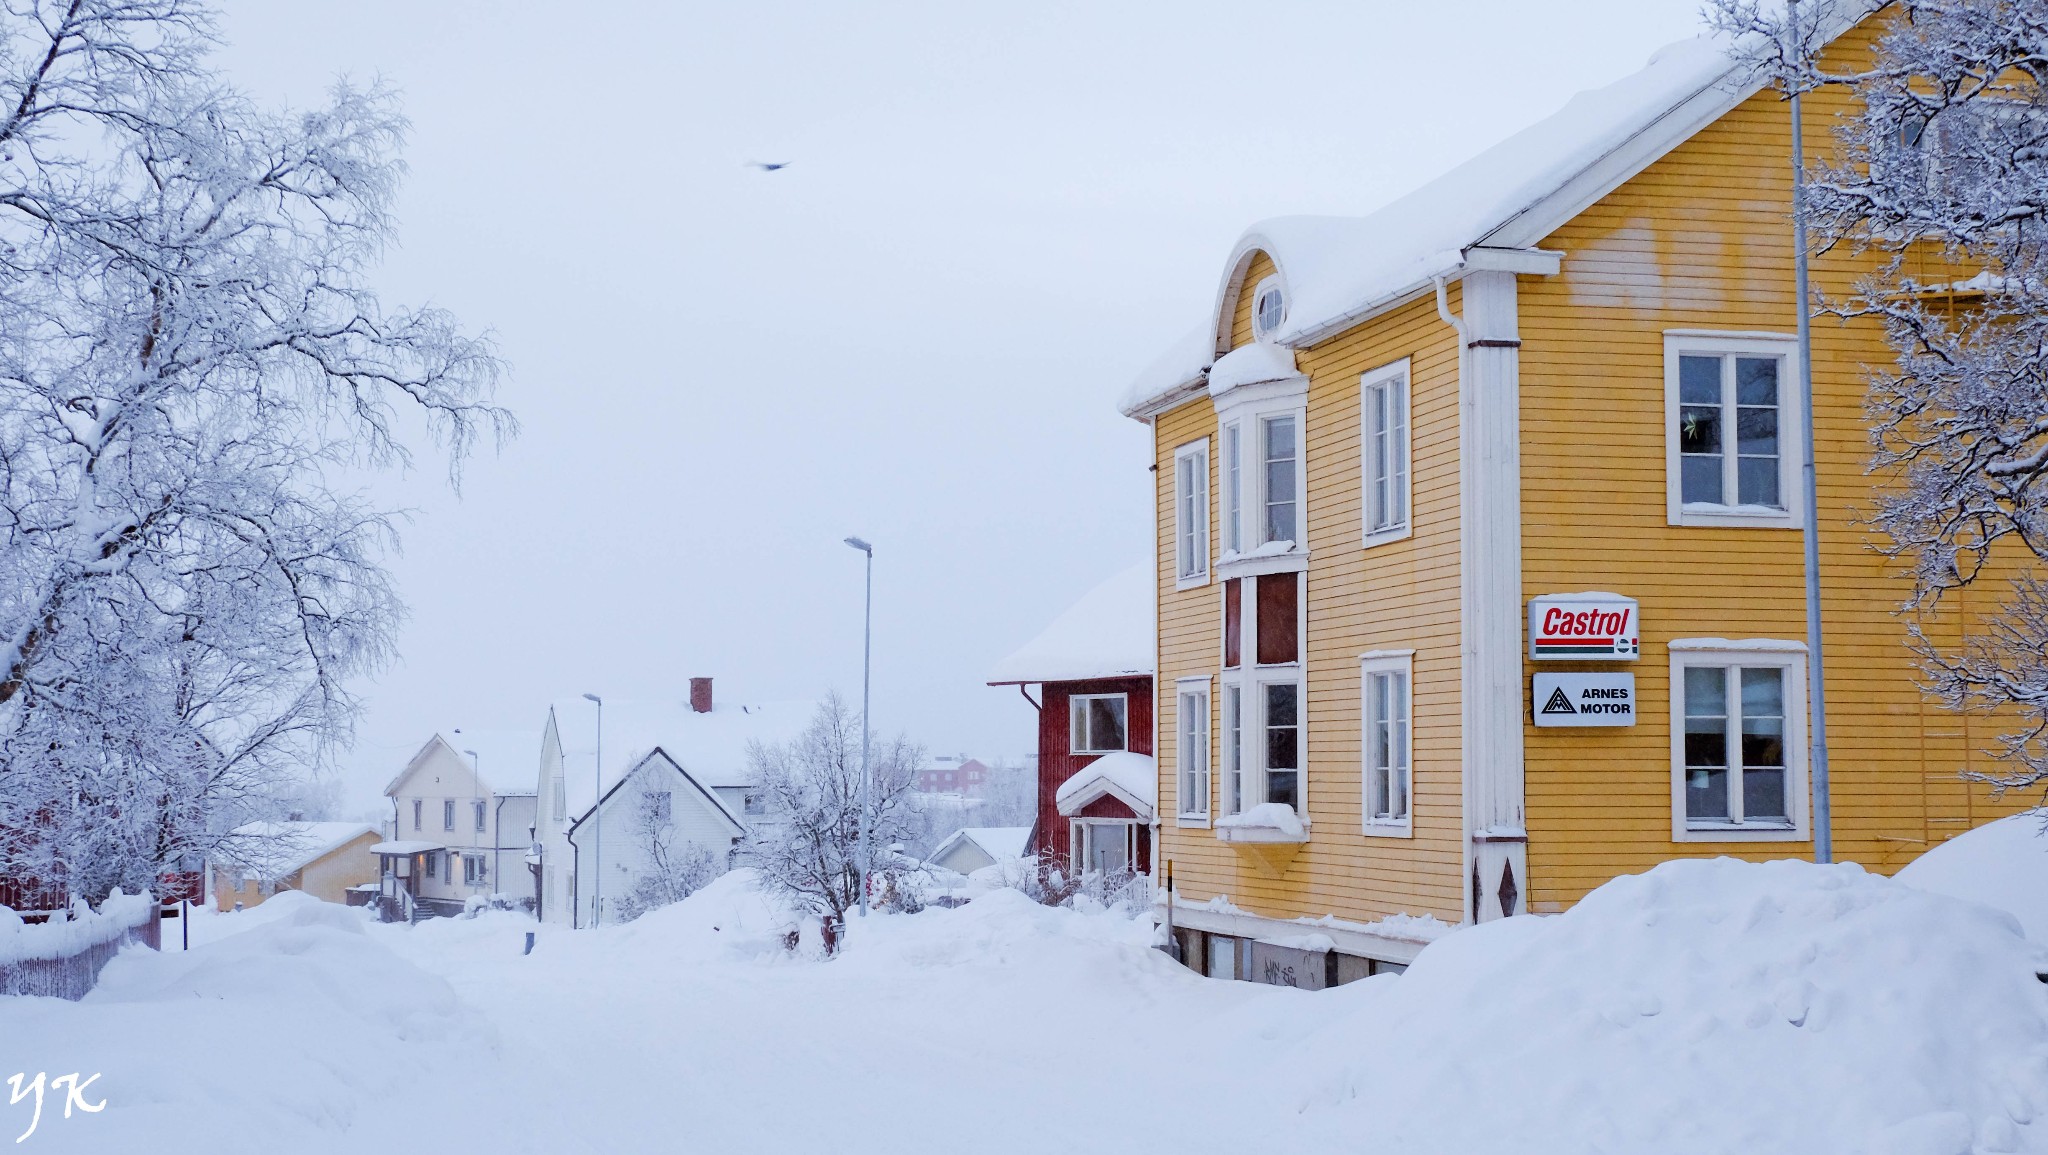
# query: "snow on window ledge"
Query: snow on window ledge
{"points": [[1266, 822]]}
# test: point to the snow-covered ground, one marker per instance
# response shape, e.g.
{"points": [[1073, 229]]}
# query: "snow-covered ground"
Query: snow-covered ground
{"points": [[1703, 1007]]}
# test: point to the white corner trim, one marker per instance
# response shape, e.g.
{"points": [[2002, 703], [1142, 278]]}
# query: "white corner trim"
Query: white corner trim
{"points": [[1735, 646]]}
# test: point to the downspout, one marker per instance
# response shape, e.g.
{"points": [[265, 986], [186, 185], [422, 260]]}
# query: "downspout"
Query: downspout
{"points": [[1466, 864], [575, 878]]}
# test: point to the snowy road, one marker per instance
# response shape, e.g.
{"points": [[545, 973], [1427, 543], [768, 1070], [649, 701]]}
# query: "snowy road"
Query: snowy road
{"points": [[1704, 1007]]}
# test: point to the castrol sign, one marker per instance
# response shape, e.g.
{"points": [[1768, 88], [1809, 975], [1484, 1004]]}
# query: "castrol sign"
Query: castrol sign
{"points": [[1588, 627]]}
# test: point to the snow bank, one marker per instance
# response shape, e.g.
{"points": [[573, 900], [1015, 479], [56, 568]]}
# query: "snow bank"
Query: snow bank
{"points": [[84, 929], [1706, 1006], [2002, 864]]}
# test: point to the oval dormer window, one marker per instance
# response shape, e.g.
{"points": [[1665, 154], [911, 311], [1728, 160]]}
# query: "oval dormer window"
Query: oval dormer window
{"points": [[1269, 307]]}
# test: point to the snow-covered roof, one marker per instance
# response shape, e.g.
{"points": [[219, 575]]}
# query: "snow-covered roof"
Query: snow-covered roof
{"points": [[1132, 779], [1487, 212], [1109, 633], [998, 842], [405, 847], [507, 760], [273, 850], [711, 747]]}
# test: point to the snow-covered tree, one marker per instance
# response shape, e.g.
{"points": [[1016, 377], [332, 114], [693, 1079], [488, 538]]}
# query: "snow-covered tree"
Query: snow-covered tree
{"points": [[192, 366], [810, 850], [1942, 177], [672, 867]]}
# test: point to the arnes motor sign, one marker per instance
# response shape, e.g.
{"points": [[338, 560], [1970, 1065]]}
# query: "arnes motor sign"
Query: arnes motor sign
{"points": [[1588, 627]]}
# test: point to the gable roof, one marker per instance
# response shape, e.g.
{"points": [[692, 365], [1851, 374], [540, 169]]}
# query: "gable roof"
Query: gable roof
{"points": [[711, 747], [507, 761], [1109, 633], [274, 850], [998, 842], [660, 757], [1485, 213], [1132, 779]]}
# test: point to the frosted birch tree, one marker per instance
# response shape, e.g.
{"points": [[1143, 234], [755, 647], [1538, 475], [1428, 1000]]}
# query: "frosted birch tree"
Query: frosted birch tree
{"points": [[192, 364], [809, 849], [1945, 167]]}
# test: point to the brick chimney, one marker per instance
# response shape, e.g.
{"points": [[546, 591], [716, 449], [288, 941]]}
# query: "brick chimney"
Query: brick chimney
{"points": [[700, 695]]}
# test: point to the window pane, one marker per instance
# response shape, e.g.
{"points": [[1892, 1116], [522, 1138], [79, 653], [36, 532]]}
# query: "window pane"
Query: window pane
{"points": [[1756, 431], [1763, 796], [1233, 622], [1756, 381], [1233, 787], [1233, 488], [1284, 787], [1279, 479], [1277, 640], [1700, 479], [1106, 723], [1699, 380], [1699, 429], [1280, 701], [1397, 446], [1706, 742], [1378, 757], [1757, 481]]}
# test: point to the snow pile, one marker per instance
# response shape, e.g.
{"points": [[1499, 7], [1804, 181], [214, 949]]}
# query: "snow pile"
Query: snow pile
{"points": [[295, 1031], [84, 929], [2002, 864], [1706, 1006], [1276, 817], [1107, 634], [1253, 364]]}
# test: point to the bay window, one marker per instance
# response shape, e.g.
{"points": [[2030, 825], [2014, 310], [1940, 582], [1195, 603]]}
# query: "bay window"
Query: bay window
{"points": [[1281, 743]]}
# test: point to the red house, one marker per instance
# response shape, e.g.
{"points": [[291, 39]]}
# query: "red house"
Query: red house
{"points": [[1098, 784]]}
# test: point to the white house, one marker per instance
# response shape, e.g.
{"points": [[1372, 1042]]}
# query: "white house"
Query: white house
{"points": [[462, 815], [974, 847], [673, 771]]}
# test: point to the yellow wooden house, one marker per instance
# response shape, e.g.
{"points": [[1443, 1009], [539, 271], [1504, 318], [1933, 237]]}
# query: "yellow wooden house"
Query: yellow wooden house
{"points": [[1531, 430]]}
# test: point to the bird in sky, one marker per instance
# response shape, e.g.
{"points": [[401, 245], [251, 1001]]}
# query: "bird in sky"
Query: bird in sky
{"points": [[764, 166]]}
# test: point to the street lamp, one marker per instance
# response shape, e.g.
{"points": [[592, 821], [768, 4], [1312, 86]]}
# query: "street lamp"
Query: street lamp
{"points": [[867, 651], [597, 822]]}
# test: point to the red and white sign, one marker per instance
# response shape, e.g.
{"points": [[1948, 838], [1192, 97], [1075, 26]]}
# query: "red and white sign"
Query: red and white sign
{"points": [[1589, 627]]}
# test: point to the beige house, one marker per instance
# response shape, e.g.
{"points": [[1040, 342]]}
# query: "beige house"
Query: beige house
{"points": [[324, 859]]}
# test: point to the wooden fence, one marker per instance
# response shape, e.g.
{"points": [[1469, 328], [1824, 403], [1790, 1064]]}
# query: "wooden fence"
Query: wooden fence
{"points": [[71, 975]]}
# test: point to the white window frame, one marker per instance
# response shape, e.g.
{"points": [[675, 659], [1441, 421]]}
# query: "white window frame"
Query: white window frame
{"points": [[1231, 469], [1230, 742], [1248, 408], [1194, 775], [447, 814], [1074, 702], [1377, 530], [1401, 664], [1191, 541], [1791, 397], [1262, 677], [1789, 656], [478, 807], [1261, 330], [1082, 834]]}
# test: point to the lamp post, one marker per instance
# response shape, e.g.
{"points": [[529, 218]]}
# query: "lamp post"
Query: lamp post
{"points": [[1817, 697], [597, 822], [867, 650]]}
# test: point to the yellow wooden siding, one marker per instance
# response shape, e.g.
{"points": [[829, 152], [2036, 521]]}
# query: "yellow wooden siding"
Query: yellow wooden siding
{"points": [[1399, 595], [1702, 240], [1259, 269]]}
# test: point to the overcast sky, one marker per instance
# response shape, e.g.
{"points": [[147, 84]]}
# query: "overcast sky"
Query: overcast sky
{"points": [[994, 215]]}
